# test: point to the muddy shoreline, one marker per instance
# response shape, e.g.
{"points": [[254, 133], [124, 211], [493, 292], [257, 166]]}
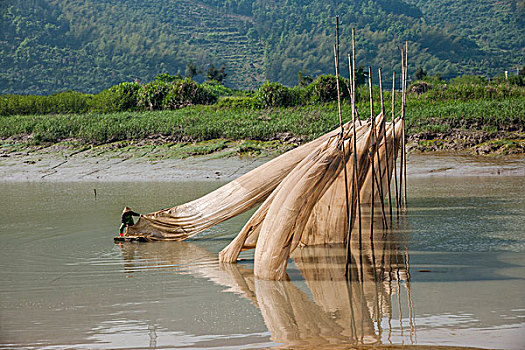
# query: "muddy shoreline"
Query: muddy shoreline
{"points": [[146, 161]]}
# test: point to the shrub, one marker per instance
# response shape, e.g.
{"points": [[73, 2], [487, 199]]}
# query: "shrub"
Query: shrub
{"points": [[217, 90], [151, 95], [68, 102], [126, 96], [420, 87], [324, 89], [186, 92], [468, 79], [274, 95], [23, 104]]}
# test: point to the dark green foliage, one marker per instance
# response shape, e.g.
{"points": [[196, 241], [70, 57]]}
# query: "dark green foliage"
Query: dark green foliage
{"points": [[275, 95], [166, 78], [186, 92], [156, 95], [51, 46], [517, 80], [177, 94], [360, 76], [122, 97], [151, 95], [217, 90], [303, 80], [215, 74], [64, 102], [420, 73], [191, 70], [324, 89], [468, 80]]}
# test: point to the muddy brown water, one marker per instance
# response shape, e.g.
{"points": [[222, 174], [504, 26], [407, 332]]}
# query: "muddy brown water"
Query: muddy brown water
{"points": [[451, 272]]}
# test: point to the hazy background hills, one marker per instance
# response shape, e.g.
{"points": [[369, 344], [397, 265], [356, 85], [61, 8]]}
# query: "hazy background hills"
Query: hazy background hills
{"points": [[48, 46]]}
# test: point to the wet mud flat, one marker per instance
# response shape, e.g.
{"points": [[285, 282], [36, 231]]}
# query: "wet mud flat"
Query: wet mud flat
{"points": [[206, 161]]}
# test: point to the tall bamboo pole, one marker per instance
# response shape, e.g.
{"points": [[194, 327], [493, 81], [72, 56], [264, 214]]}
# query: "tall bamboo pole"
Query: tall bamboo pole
{"points": [[394, 136], [345, 161], [353, 195], [404, 129], [342, 129], [355, 178], [380, 169], [354, 117], [372, 125], [386, 143], [403, 118]]}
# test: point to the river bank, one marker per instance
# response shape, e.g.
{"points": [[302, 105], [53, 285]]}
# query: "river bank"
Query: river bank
{"points": [[214, 160]]}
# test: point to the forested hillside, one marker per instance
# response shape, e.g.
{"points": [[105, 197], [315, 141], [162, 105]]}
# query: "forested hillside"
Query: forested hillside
{"points": [[497, 26], [48, 46]]}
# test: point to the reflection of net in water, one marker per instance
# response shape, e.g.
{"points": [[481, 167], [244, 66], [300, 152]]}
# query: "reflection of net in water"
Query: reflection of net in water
{"points": [[339, 312]]}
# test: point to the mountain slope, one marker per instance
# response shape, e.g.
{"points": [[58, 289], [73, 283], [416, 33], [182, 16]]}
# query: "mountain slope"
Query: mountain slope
{"points": [[48, 46]]}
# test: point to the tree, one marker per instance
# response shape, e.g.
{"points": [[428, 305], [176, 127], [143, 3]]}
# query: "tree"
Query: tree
{"points": [[360, 76], [420, 73], [191, 70], [303, 80], [215, 74]]}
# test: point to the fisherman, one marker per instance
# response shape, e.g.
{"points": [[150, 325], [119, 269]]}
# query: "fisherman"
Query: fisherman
{"points": [[127, 219]]}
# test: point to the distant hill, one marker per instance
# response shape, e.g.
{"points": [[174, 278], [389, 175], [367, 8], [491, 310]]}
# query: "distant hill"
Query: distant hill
{"points": [[48, 46]]}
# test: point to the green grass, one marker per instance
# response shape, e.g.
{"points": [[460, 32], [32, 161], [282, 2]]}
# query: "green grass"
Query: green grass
{"points": [[202, 123]]}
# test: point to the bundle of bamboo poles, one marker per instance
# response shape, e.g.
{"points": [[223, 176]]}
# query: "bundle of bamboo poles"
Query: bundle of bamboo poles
{"points": [[312, 195]]}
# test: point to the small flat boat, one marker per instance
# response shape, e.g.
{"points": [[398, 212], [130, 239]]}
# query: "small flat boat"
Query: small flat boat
{"points": [[129, 239]]}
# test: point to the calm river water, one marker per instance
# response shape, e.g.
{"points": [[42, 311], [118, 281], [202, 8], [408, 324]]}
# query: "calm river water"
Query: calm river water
{"points": [[450, 272]]}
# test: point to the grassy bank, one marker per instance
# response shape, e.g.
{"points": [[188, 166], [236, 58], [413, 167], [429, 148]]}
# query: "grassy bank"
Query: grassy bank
{"points": [[199, 123], [460, 115]]}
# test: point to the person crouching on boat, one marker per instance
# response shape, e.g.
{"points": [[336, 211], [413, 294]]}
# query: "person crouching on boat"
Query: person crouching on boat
{"points": [[127, 220]]}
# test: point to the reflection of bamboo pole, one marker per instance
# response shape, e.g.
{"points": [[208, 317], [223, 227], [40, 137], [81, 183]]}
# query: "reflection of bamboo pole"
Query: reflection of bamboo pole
{"points": [[377, 317], [400, 309], [386, 147], [411, 312]]}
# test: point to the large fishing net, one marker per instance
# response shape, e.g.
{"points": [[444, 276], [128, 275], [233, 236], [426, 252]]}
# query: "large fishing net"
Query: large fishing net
{"points": [[303, 196]]}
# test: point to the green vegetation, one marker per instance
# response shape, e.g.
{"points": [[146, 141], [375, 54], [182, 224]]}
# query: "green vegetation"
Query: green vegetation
{"points": [[51, 46], [491, 108]]}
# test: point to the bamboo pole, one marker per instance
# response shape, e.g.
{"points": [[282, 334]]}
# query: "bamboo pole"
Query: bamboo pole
{"points": [[355, 178], [402, 118], [353, 192], [386, 144], [341, 125], [354, 115], [372, 121], [380, 169], [394, 137], [404, 129]]}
